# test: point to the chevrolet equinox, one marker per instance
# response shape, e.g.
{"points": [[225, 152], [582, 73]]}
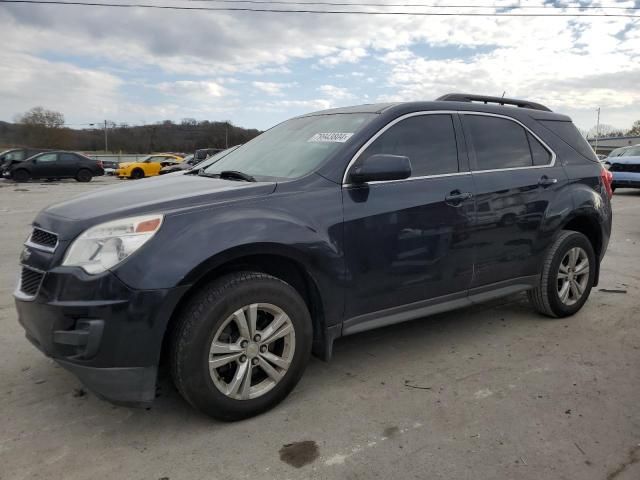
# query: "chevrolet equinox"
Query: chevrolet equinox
{"points": [[326, 225]]}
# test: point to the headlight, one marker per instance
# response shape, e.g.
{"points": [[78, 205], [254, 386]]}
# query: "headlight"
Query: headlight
{"points": [[104, 246]]}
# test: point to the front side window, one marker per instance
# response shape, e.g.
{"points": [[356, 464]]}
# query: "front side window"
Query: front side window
{"points": [[498, 143], [47, 158], [428, 140], [294, 148]]}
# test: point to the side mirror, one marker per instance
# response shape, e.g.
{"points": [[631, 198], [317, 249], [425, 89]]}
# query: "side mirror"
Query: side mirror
{"points": [[381, 167]]}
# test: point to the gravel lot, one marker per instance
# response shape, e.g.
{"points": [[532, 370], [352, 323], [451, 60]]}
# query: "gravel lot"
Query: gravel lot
{"points": [[488, 392]]}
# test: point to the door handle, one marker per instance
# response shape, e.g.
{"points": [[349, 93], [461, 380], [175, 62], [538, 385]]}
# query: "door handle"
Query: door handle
{"points": [[546, 181], [456, 197]]}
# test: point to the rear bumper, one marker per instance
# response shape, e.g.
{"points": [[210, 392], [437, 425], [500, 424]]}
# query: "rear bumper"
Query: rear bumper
{"points": [[110, 338], [626, 180]]}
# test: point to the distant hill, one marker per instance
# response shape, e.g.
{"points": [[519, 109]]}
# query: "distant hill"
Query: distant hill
{"points": [[166, 136]]}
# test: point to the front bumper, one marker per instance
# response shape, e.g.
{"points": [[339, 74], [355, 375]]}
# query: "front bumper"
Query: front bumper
{"points": [[108, 335], [626, 180]]}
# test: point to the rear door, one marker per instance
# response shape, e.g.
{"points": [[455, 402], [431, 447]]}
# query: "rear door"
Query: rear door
{"points": [[516, 179], [407, 241], [68, 164]]}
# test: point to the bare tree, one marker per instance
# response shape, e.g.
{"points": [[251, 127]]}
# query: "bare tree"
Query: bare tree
{"points": [[635, 128], [604, 131], [44, 128]]}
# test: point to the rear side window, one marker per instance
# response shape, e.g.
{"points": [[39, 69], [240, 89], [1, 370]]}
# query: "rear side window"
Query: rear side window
{"points": [[568, 132], [68, 158], [17, 155], [497, 142], [428, 140], [541, 155]]}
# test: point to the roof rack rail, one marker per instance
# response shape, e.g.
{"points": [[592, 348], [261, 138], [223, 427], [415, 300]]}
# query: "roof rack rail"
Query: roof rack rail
{"points": [[465, 97]]}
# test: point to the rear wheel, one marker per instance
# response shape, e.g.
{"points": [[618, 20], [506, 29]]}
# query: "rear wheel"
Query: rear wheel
{"points": [[21, 175], [241, 345], [567, 276], [137, 174], [84, 175]]}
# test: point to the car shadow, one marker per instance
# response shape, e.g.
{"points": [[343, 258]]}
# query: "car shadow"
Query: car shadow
{"points": [[356, 356]]}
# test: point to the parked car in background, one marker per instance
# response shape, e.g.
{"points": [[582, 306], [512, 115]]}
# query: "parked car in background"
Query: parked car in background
{"points": [[326, 225], [110, 166], [193, 164], [186, 164], [626, 168], [204, 153], [617, 152], [55, 165], [147, 167], [17, 155]]}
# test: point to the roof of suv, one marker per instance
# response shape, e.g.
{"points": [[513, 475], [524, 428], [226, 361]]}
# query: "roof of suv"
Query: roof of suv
{"points": [[458, 102]]}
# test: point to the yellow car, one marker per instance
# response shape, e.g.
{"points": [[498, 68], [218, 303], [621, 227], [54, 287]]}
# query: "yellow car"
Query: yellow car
{"points": [[147, 167]]}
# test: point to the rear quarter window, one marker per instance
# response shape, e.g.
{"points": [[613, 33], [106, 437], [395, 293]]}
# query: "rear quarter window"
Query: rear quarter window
{"points": [[568, 132]]}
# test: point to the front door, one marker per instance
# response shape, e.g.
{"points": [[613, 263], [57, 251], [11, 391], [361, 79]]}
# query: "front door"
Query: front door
{"points": [[407, 241], [516, 179], [45, 165]]}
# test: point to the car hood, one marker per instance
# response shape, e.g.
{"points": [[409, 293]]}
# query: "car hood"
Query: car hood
{"points": [[126, 164], [625, 160], [159, 194]]}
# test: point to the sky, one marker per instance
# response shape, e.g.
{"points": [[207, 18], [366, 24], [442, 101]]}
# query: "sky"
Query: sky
{"points": [[140, 66]]}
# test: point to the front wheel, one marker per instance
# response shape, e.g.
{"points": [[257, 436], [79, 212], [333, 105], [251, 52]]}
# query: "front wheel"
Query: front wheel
{"points": [[137, 174], [567, 276], [241, 345], [21, 175]]}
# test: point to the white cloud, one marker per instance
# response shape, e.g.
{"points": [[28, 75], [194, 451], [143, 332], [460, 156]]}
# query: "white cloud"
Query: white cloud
{"points": [[200, 90], [28, 81], [573, 64], [351, 55], [273, 88], [334, 93]]}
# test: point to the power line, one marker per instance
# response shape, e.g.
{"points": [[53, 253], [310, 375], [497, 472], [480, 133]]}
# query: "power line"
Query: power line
{"points": [[319, 12], [422, 5]]}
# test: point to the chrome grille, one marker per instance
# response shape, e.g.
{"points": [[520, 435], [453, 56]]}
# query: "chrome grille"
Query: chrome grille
{"points": [[43, 238], [30, 281]]}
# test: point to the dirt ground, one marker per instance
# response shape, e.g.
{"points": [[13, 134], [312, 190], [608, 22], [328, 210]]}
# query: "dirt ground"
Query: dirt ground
{"points": [[489, 392]]}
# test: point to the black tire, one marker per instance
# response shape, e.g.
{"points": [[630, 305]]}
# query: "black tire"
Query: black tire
{"points": [[21, 175], [84, 175], [137, 174], [545, 297], [203, 316]]}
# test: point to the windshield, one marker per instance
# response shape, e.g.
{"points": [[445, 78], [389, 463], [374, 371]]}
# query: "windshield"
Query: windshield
{"points": [[631, 152], [293, 148]]}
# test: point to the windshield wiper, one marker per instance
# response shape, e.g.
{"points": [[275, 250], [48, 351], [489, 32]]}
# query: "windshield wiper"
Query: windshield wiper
{"points": [[229, 175], [237, 175]]}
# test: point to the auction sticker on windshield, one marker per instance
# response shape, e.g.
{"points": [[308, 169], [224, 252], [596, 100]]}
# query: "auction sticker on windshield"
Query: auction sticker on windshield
{"points": [[333, 137]]}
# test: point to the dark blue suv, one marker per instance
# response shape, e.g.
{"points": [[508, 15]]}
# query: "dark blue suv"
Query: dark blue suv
{"points": [[328, 224]]}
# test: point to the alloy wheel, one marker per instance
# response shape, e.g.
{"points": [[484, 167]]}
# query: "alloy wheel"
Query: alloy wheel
{"points": [[573, 276], [252, 351]]}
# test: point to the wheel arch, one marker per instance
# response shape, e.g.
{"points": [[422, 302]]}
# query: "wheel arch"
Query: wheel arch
{"points": [[589, 226], [271, 259]]}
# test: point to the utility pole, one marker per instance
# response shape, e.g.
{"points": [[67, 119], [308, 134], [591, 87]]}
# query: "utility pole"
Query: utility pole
{"points": [[597, 131], [105, 137]]}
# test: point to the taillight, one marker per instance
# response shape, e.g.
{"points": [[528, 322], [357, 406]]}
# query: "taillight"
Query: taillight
{"points": [[607, 180]]}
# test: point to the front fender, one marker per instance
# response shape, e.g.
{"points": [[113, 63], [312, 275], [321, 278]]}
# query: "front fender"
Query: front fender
{"points": [[304, 226]]}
